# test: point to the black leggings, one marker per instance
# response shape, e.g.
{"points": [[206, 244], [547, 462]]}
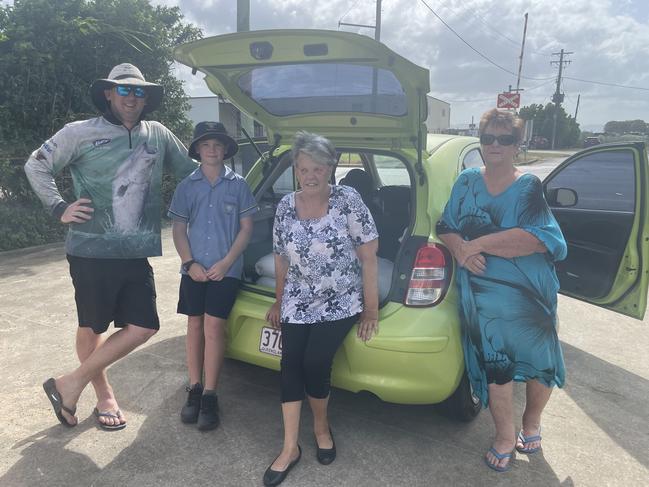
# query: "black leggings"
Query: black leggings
{"points": [[307, 353]]}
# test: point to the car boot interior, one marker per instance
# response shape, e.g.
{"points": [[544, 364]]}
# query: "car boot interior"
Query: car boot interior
{"points": [[383, 183]]}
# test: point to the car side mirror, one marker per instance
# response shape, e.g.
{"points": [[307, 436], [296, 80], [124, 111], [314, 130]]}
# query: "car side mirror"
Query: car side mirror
{"points": [[561, 197]]}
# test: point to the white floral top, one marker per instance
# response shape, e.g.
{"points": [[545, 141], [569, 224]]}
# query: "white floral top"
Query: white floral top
{"points": [[324, 279]]}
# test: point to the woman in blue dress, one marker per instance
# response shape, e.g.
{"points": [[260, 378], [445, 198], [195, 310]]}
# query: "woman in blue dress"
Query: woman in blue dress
{"points": [[505, 240]]}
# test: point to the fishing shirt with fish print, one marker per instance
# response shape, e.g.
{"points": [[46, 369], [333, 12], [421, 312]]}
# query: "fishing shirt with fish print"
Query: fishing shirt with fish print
{"points": [[121, 172]]}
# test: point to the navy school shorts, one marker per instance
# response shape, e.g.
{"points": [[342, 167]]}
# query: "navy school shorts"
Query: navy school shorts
{"points": [[214, 298]]}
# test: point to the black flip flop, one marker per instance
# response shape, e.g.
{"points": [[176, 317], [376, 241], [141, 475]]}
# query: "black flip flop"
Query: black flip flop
{"points": [[109, 427], [57, 402]]}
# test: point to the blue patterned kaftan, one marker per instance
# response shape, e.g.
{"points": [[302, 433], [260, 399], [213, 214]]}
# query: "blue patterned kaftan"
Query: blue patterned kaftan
{"points": [[509, 312]]}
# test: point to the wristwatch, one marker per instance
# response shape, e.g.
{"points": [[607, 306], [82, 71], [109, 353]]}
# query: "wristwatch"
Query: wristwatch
{"points": [[188, 264]]}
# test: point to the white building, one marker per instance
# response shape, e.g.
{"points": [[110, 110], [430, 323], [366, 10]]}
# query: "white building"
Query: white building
{"points": [[217, 109], [439, 115]]}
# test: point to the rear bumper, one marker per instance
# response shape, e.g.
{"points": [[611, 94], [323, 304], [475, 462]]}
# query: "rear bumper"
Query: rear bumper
{"points": [[415, 359]]}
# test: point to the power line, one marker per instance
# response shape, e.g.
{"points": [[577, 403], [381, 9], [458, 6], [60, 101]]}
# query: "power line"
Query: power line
{"points": [[494, 29], [607, 84], [478, 100], [348, 10], [486, 58], [512, 41], [445, 4], [491, 98], [476, 51]]}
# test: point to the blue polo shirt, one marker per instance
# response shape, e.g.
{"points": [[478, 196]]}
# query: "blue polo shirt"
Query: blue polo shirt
{"points": [[212, 213]]}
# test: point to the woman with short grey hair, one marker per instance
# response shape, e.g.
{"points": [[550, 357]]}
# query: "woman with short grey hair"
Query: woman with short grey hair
{"points": [[325, 243], [318, 148]]}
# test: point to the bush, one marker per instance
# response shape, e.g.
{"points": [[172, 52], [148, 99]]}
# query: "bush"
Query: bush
{"points": [[50, 52], [24, 225], [23, 220]]}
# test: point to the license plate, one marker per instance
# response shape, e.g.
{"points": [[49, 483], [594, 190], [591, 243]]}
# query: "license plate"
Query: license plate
{"points": [[270, 341]]}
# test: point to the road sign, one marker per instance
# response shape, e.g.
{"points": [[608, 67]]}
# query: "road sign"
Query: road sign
{"points": [[509, 100]]}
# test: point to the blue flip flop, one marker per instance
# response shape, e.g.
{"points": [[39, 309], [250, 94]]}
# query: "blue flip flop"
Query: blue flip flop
{"points": [[499, 456], [107, 414], [528, 439]]}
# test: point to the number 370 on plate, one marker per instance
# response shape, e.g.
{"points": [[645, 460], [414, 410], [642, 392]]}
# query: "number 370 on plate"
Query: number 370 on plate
{"points": [[270, 341]]}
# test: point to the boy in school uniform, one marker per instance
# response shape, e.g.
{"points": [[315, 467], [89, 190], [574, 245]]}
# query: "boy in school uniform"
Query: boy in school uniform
{"points": [[212, 212]]}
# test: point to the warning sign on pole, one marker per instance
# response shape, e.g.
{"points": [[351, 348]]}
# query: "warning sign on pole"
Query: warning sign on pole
{"points": [[509, 100]]}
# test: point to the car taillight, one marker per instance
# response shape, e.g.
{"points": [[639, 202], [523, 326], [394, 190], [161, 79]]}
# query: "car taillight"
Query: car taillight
{"points": [[430, 276]]}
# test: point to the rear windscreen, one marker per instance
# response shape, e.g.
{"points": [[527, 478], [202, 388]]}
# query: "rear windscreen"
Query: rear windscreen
{"points": [[324, 87]]}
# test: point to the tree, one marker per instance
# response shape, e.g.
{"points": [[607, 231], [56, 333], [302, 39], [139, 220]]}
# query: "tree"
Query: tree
{"points": [[52, 50], [627, 126], [568, 132]]}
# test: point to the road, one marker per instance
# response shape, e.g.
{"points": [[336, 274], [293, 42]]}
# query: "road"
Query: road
{"points": [[542, 168]]}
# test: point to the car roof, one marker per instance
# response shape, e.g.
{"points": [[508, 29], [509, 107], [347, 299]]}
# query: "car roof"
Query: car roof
{"points": [[434, 141]]}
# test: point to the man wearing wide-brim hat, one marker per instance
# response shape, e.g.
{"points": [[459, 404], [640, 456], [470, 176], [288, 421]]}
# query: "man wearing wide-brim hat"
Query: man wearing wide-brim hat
{"points": [[125, 75], [116, 163]]}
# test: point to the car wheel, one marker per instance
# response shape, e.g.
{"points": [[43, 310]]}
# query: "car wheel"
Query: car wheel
{"points": [[462, 405]]}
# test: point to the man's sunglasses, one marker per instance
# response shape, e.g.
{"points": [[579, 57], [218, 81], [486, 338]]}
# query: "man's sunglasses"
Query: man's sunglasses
{"points": [[488, 139], [122, 90]]}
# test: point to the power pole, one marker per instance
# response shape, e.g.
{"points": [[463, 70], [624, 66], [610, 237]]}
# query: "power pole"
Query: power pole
{"points": [[577, 107], [557, 98], [377, 37], [243, 15], [377, 22], [246, 123], [520, 59]]}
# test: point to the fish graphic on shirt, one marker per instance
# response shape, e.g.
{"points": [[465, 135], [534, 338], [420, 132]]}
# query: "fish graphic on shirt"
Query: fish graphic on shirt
{"points": [[131, 187]]}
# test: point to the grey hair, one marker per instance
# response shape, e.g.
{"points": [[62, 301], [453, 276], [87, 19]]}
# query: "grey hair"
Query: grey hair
{"points": [[317, 147]]}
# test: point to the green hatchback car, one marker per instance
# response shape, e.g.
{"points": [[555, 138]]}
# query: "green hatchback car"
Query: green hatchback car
{"points": [[371, 103]]}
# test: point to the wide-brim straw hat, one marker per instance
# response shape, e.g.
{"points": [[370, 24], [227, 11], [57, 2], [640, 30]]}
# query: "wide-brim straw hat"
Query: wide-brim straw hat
{"points": [[129, 75]]}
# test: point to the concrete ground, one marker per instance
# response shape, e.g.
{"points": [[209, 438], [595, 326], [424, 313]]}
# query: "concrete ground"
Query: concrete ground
{"points": [[595, 429]]}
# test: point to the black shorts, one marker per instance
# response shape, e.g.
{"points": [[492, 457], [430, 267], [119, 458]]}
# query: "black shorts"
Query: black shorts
{"points": [[214, 298], [119, 290]]}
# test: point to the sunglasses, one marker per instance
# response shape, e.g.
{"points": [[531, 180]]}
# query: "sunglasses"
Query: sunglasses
{"points": [[122, 90], [488, 139]]}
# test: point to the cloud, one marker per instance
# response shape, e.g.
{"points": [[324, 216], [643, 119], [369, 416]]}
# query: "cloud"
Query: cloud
{"points": [[609, 40]]}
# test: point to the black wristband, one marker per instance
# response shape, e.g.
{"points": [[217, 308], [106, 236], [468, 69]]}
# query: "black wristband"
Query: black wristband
{"points": [[59, 209], [187, 265]]}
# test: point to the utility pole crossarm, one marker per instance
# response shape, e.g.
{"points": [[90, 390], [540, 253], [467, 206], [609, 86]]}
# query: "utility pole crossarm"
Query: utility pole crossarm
{"points": [[357, 25]]}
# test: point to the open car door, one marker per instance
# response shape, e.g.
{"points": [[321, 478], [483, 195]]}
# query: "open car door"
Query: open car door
{"points": [[599, 198]]}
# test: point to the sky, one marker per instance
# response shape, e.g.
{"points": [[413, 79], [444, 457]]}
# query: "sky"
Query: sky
{"points": [[609, 40]]}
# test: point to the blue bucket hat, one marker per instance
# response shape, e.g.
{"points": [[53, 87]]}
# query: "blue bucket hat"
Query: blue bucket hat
{"points": [[212, 130]]}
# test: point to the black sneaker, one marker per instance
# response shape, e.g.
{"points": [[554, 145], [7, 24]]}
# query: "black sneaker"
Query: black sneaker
{"points": [[208, 418], [189, 412]]}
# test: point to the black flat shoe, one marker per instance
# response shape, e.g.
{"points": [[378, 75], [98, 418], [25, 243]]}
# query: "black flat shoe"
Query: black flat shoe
{"points": [[326, 455], [273, 477]]}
